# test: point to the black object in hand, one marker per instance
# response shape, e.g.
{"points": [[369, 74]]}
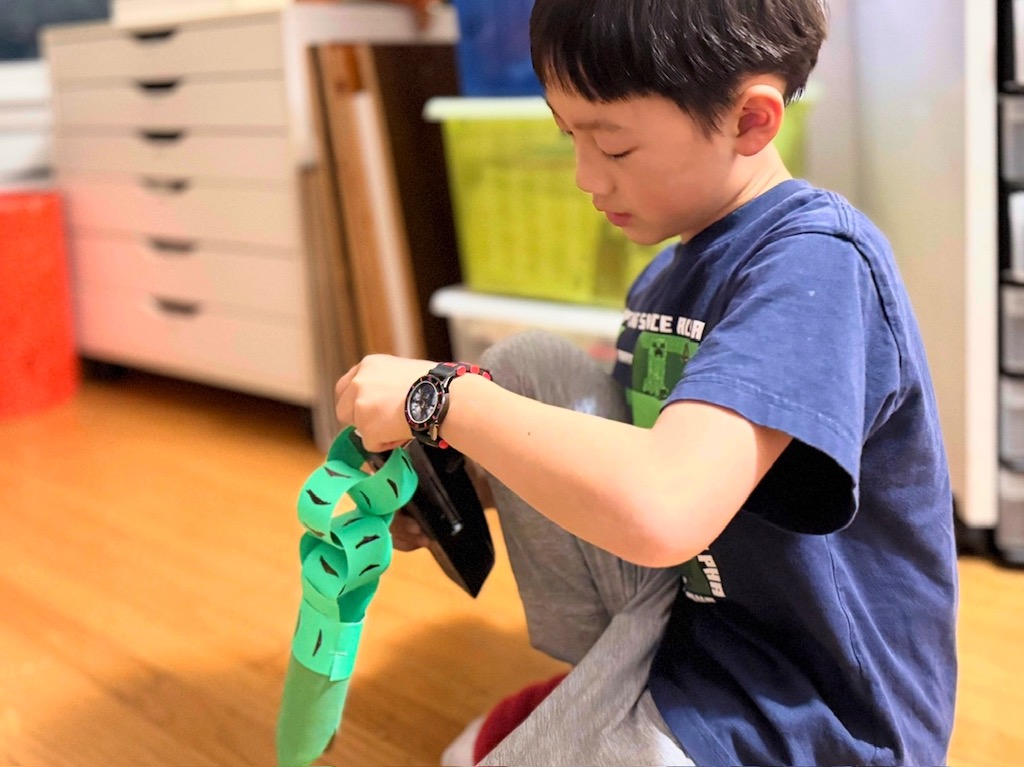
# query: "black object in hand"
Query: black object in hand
{"points": [[446, 506]]}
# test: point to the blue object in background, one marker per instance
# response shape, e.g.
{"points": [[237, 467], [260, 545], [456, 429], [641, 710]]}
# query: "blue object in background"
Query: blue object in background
{"points": [[21, 20], [494, 48]]}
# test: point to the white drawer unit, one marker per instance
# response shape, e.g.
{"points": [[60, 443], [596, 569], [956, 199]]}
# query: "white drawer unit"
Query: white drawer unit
{"points": [[201, 209], [178, 153], [192, 338], [218, 47], [173, 103], [179, 144], [161, 11], [268, 285]]}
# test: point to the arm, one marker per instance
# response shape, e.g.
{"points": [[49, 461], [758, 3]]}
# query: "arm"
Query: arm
{"points": [[652, 496]]}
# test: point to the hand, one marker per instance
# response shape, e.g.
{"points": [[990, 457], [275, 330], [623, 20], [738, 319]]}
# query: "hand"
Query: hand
{"points": [[371, 396], [406, 533]]}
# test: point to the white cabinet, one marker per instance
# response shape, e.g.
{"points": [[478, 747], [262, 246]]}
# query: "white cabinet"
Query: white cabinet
{"points": [[178, 147], [156, 141]]}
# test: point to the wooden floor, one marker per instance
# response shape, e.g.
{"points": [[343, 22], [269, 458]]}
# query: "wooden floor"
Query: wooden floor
{"points": [[149, 587]]}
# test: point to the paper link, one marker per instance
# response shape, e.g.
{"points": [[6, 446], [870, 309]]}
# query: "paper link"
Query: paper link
{"points": [[347, 512], [340, 482]]}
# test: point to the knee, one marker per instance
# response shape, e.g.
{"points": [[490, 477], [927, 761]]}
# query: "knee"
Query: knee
{"points": [[549, 368]]}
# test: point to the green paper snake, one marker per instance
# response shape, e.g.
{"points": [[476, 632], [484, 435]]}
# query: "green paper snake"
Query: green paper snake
{"points": [[347, 514]]}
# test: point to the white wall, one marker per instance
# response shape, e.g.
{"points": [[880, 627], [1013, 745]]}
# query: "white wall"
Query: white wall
{"points": [[926, 114]]}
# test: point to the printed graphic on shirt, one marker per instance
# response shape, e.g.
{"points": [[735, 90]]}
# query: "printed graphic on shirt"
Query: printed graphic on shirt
{"points": [[664, 324], [658, 362], [701, 580]]}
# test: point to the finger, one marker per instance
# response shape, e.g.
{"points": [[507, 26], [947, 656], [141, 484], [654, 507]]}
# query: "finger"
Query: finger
{"points": [[407, 533], [344, 396], [410, 544], [344, 382]]}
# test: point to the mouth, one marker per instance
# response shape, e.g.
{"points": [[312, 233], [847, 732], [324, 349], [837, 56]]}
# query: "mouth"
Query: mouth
{"points": [[618, 219]]}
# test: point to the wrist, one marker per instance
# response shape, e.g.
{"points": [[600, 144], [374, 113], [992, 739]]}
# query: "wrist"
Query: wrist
{"points": [[428, 401]]}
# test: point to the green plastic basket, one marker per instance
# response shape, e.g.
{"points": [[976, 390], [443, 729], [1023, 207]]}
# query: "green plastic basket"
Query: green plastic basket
{"points": [[523, 227]]}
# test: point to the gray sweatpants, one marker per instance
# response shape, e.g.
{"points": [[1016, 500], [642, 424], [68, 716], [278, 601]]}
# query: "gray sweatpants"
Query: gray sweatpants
{"points": [[583, 605]]}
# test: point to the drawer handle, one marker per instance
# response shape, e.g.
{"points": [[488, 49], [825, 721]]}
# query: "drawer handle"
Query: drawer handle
{"points": [[166, 186], [158, 86], [172, 247], [162, 136], [154, 35], [177, 308]]}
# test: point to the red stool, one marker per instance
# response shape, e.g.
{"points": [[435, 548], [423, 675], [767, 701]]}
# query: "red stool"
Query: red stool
{"points": [[38, 364]]}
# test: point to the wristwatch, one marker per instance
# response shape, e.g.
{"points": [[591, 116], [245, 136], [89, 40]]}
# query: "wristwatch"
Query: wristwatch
{"points": [[426, 404]]}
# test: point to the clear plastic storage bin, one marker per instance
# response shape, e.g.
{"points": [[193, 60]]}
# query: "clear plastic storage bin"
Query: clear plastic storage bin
{"points": [[477, 320]]}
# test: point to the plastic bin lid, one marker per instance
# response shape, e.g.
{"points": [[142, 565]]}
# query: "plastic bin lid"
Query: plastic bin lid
{"points": [[443, 108], [457, 302]]}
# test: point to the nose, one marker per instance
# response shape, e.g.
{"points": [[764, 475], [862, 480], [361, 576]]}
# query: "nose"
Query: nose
{"points": [[591, 174]]}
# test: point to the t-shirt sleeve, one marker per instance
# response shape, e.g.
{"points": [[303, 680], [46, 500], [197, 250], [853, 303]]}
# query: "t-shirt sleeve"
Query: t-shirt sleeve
{"points": [[802, 330]]}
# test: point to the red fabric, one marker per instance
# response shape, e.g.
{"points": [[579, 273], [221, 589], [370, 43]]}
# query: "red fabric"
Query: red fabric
{"points": [[38, 364], [509, 714]]}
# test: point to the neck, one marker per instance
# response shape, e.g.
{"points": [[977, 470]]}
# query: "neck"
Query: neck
{"points": [[751, 177]]}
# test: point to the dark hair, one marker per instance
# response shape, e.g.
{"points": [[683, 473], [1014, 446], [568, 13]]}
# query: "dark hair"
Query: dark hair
{"points": [[693, 52]]}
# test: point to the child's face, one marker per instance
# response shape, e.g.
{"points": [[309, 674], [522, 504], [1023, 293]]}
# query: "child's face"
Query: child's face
{"points": [[647, 165]]}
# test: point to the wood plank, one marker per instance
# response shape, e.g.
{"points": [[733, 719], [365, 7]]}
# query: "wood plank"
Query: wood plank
{"points": [[376, 238], [404, 77]]}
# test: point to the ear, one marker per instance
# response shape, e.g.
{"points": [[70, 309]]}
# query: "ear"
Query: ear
{"points": [[759, 111]]}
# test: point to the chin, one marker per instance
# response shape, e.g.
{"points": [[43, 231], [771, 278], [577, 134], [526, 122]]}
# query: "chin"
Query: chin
{"points": [[646, 237]]}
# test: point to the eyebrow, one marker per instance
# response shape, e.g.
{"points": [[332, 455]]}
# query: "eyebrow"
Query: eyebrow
{"points": [[597, 124]]}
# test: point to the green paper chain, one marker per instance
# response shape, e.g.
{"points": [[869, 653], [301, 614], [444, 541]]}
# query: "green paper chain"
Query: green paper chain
{"points": [[347, 546]]}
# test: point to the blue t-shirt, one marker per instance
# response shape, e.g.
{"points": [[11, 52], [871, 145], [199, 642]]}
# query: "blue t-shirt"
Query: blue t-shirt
{"points": [[819, 627]]}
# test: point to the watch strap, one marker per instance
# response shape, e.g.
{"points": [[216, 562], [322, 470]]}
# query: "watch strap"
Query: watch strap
{"points": [[443, 373]]}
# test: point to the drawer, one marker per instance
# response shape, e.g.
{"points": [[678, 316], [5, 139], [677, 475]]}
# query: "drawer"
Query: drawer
{"points": [[1011, 109], [186, 271], [1010, 25], [1011, 421], [175, 103], [228, 45], [1009, 532], [1011, 329], [187, 209], [1015, 227], [191, 153], [197, 341]]}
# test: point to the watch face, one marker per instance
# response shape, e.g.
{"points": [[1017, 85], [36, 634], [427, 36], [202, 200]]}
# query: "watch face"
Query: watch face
{"points": [[422, 402]]}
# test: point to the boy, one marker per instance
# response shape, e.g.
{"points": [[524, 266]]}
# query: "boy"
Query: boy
{"points": [[753, 562]]}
